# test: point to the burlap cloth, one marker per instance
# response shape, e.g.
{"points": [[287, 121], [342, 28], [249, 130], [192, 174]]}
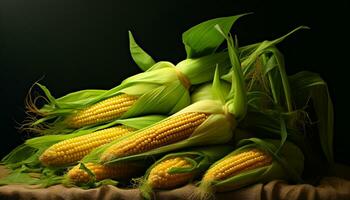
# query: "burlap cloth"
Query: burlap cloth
{"points": [[328, 188]]}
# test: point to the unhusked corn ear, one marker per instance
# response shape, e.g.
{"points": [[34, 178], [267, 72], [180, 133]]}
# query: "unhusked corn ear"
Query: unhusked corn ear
{"points": [[233, 165], [169, 131], [159, 178], [72, 150], [119, 172], [102, 111]]}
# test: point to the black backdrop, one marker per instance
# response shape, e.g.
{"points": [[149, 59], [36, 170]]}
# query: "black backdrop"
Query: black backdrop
{"points": [[84, 44]]}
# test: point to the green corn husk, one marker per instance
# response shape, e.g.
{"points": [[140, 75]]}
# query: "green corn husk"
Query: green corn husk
{"points": [[24, 160], [287, 165], [216, 129], [200, 158], [43, 177]]}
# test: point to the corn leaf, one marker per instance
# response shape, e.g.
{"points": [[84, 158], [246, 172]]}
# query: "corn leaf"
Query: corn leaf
{"points": [[278, 57], [265, 45], [43, 177], [237, 103], [18, 155], [310, 86], [217, 92], [141, 58], [203, 39], [88, 171], [18, 177], [249, 54]]}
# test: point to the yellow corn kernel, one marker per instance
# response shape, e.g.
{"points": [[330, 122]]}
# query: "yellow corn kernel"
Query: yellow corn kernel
{"points": [[172, 130], [72, 150], [103, 111], [119, 172], [159, 178], [236, 164]]}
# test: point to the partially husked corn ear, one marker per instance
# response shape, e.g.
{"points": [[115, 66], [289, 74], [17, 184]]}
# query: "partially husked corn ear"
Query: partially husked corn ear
{"points": [[72, 150], [254, 161], [169, 131], [160, 178], [180, 168], [163, 89], [120, 171], [102, 111], [235, 164]]}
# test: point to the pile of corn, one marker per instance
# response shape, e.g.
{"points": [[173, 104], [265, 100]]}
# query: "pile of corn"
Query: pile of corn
{"points": [[220, 119]]}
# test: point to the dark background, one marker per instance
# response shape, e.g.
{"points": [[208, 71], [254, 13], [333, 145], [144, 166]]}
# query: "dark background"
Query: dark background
{"points": [[84, 44]]}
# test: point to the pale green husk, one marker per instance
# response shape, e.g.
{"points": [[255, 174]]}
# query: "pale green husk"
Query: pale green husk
{"points": [[287, 165], [206, 91], [200, 158]]}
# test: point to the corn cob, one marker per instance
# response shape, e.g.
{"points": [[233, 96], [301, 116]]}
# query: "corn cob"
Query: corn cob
{"points": [[235, 164], [120, 172], [102, 111], [172, 130], [159, 177], [72, 150]]}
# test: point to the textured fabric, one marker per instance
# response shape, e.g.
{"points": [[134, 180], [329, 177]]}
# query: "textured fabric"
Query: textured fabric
{"points": [[329, 188]]}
